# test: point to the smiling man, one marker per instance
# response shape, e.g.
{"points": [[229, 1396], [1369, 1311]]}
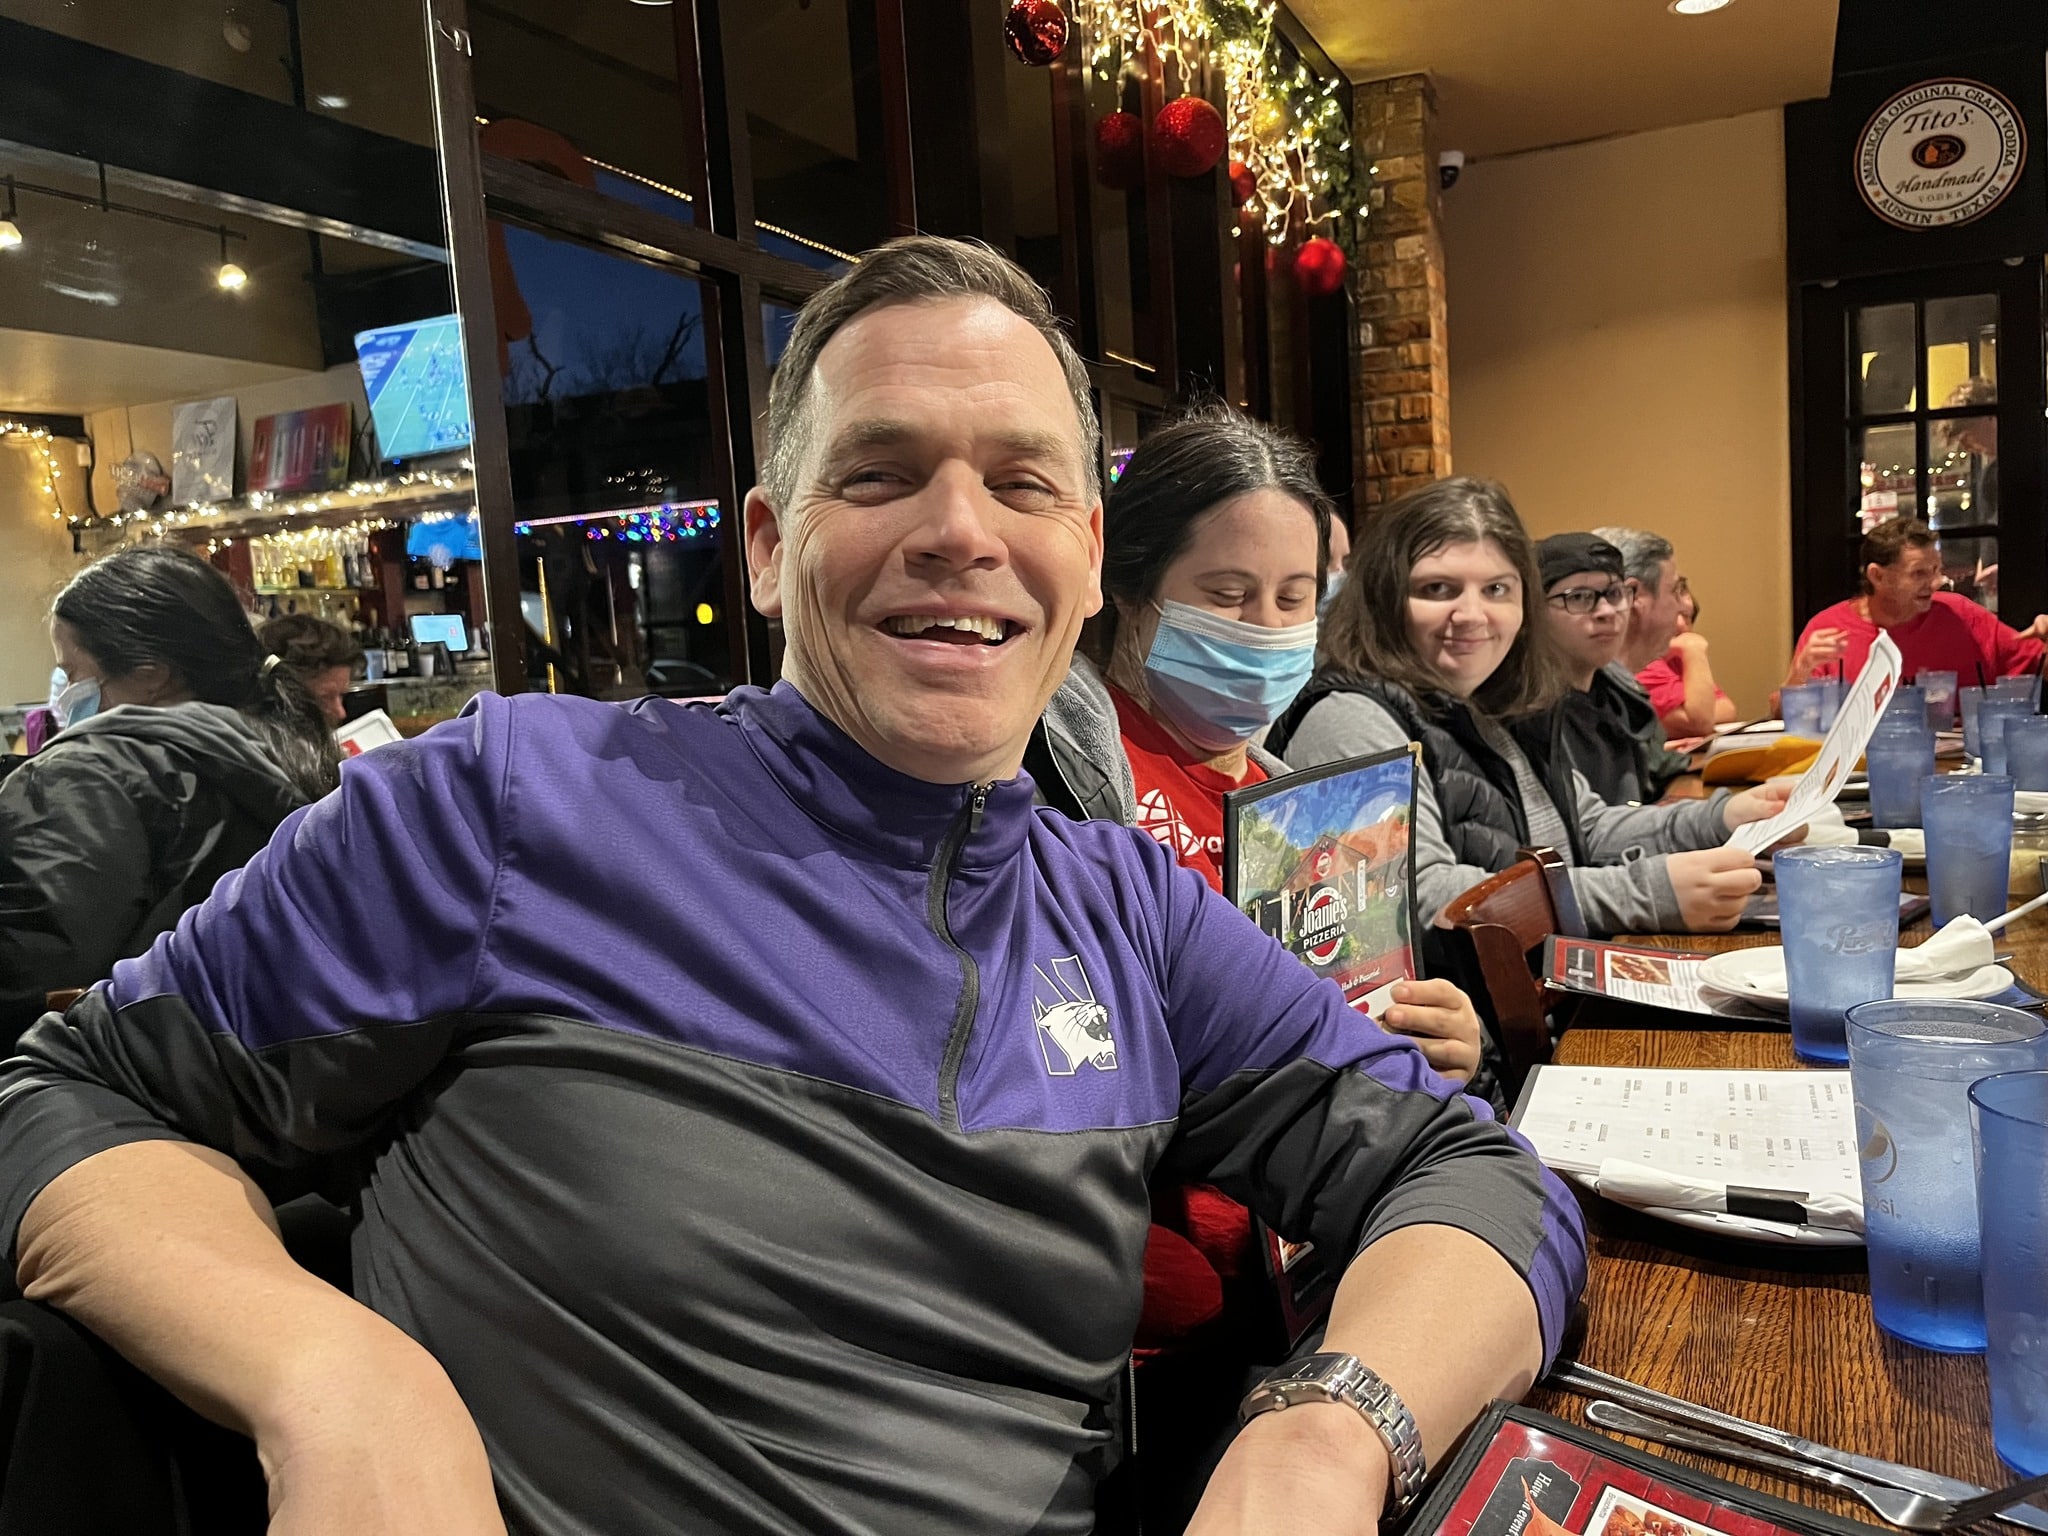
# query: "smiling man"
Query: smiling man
{"points": [[750, 1118]]}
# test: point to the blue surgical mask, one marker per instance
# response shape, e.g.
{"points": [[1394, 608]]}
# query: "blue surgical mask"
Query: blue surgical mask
{"points": [[1331, 584], [72, 702], [1219, 681]]}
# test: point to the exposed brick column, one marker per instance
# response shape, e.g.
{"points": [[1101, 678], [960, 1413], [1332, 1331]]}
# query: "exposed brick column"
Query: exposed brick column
{"points": [[1404, 352]]}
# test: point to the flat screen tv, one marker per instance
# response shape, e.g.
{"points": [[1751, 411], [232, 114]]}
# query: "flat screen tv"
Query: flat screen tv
{"points": [[419, 393]]}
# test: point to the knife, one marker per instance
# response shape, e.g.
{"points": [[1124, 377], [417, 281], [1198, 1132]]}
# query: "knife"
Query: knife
{"points": [[1587, 1382]]}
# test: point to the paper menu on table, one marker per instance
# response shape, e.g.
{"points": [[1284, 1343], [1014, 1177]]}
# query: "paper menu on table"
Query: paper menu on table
{"points": [[1839, 753], [1791, 1130]]}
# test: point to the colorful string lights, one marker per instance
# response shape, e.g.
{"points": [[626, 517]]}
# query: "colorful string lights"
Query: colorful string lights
{"points": [[669, 522]]}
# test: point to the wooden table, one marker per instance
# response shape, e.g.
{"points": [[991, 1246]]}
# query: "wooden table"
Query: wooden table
{"points": [[1776, 1334]]}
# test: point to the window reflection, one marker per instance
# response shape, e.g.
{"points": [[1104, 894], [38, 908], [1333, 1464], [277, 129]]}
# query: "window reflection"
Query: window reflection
{"points": [[1970, 567], [1962, 473], [806, 72], [623, 531], [1881, 369], [1889, 474], [586, 89]]}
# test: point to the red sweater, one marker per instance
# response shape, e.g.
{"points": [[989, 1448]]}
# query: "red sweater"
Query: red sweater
{"points": [[1955, 635]]}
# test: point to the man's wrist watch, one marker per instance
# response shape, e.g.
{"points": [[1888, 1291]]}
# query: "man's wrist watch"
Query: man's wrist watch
{"points": [[1334, 1378]]}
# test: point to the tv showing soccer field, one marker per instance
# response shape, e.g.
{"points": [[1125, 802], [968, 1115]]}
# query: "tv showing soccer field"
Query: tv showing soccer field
{"points": [[419, 392]]}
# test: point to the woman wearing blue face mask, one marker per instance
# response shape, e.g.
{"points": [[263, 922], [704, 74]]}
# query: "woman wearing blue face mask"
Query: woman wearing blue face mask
{"points": [[1216, 542], [179, 749]]}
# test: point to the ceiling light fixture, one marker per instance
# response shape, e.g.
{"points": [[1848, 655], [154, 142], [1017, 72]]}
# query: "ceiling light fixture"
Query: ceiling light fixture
{"points": [[1696, 7], [230, 277], [654, 2], [331, 103], [10, 232]]}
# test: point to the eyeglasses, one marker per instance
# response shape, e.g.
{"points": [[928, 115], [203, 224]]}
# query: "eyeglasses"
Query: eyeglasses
{"points": [[1583, 600]]}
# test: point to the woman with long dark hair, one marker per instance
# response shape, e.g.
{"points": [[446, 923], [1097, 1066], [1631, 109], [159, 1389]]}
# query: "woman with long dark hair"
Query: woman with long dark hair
{"points": [[182, 746], [1437, 637]]}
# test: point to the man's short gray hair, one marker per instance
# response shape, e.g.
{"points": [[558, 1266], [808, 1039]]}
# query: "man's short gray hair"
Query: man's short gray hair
{"points": [[907, 271], [1642, 554]]}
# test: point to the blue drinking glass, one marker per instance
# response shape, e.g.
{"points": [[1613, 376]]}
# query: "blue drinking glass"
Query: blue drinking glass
{"points": [[1969, 701], [1801, 709], [1838, 909], [1968, 821], [1940, 688], [1911, 1065], [1899, 755], [2023, 690], [2009, 1114], [2026, 751], [1833, 691], [1907, 701], [1992, 715]]}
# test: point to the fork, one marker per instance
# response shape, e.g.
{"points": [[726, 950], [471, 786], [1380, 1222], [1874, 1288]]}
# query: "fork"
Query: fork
{"points": [[1896, 1506]]}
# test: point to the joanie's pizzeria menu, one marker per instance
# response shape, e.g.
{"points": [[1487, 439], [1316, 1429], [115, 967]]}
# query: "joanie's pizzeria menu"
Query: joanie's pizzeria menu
{"points": [[1523, 1473]]}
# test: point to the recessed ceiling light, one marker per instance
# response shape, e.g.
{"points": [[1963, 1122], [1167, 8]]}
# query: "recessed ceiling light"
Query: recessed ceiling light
{"points": [[1696, 7]]}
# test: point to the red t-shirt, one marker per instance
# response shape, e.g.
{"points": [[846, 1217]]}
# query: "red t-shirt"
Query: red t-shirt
{"points": [[1664, 682], [1955, 635], [1180, 797]]}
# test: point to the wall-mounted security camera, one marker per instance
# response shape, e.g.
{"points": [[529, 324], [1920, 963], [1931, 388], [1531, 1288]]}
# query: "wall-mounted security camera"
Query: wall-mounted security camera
{"points": [[1448, 165]]}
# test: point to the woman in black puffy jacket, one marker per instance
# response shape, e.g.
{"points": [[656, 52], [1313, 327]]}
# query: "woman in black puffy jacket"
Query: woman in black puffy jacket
{"points": [[182, 747]]}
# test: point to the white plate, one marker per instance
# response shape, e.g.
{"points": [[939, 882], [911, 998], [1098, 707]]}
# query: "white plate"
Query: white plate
{"points": [[1758, 976]]}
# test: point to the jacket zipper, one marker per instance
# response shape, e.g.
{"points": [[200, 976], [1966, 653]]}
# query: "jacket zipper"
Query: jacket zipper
{"points": [[964, 826]]}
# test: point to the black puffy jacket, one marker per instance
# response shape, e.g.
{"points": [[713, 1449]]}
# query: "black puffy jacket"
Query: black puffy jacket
{"points": [[1475, 786], [115, 828]]}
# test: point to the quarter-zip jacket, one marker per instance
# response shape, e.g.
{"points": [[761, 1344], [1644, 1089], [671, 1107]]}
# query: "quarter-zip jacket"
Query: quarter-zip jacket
{"points": [[758, 1136]]}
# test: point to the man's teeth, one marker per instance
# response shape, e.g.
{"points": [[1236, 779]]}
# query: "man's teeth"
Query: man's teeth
{"points": [[916, 624]]}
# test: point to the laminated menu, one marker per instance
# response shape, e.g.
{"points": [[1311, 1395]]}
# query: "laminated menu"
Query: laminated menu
{"points": [[1524, 1473], [1646, 976]]}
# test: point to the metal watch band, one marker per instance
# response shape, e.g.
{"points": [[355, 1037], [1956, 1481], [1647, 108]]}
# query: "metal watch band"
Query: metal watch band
{"points": [[1336, 1378]]}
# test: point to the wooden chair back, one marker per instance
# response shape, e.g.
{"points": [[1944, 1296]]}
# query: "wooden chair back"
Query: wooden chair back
{"points": [[1506, 917]]}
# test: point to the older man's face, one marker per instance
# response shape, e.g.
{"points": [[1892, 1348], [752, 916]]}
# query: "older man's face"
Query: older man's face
{"points": [[1653, 618], [943, 548]]}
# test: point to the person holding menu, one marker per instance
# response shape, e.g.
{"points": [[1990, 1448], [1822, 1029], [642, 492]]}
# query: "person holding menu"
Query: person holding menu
{"points": [[1215, 543]]}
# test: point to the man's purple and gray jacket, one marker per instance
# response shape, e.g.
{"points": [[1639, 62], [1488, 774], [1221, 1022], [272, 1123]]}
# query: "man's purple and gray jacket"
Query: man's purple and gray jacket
{"points": [[759, 1137]]}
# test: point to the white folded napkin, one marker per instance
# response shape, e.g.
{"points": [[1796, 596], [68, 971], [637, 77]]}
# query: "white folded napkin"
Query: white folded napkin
{"points": [[2030, 802], [1635, 1184], [1962, 948]]}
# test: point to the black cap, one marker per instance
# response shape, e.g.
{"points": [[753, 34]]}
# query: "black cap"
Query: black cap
{"points": [[1569, 554]]}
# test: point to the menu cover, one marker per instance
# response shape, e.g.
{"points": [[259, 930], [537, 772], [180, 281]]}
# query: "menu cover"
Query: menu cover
{"points": [[1323, 861], [301, 450], [1524, 1473]]}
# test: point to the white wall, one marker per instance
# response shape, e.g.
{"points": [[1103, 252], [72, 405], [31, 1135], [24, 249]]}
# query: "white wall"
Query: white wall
{"points": [[38, 561]]}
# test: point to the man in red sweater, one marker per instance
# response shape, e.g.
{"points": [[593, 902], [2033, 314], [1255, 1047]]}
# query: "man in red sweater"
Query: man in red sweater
{"points": [[1934, 630]]}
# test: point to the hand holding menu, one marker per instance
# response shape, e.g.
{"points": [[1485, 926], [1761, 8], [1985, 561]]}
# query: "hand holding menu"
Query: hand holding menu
{"points": [[1839, 754]]}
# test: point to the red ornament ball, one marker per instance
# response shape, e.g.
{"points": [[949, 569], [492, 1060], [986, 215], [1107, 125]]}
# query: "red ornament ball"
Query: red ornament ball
{"points": [[1190, 135], [1036, 31], [1244, 186], [1319, 268], [1120, 151]]}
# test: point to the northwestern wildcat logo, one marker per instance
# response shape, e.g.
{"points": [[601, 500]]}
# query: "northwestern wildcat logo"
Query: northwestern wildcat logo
{"points": [[1073, 1028]]}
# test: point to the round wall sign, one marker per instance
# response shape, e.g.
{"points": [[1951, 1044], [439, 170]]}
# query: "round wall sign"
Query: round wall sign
{"points": [[1939, 153]]}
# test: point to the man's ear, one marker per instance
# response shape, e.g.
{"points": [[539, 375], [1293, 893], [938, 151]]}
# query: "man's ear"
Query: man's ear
{"points": [[1871, 573], [763, 531], [1093, 605]]}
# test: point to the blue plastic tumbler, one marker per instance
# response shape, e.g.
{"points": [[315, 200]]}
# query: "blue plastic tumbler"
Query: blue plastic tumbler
{"points": [[1968, 820], [1801, 709], [1899, 756], [1838, 909], [1833, 691], [2026, 751], [2009, 1114], [1940, 688], [1969, 701], [1911, 1065], [1992, 715], [1908, 701]]}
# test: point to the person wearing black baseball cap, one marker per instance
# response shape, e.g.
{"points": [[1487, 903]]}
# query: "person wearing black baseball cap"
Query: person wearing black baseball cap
{"points": [[1606, 721]]}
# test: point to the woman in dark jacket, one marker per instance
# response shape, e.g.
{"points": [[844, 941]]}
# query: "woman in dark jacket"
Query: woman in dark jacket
{"points": [[182, 747]]}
